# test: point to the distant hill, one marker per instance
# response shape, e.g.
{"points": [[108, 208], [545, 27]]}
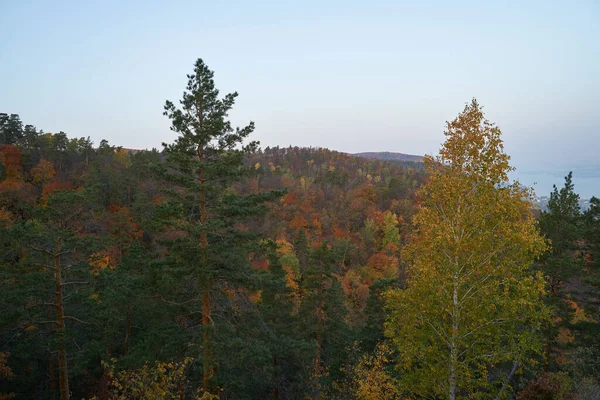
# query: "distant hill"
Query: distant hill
{"points": [[386, 155]]}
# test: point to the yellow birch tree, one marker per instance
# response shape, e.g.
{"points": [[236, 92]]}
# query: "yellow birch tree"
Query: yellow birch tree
{"points": [[472, 310]]}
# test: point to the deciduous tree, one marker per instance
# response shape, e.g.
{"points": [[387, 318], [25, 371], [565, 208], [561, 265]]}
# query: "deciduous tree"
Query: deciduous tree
{"points": [[472, 302]]}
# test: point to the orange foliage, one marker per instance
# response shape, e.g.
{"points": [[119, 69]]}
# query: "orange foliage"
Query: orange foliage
{"points": [[10, 185], [565, 335], [363, 198], [298, 222], [578, 313], [378, 262], [10, 156], [380, 265], [99, 261], [392, 248], [357, 293], [292, 283], [261, 263], [289, 199], [284, 247], [305, 206], [43, 172], [16, 191], [52, 187], [316, 223], [254, 296], [339, 233]]}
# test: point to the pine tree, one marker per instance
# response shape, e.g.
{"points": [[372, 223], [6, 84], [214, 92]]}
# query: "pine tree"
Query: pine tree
{"points": [[322, 319], [54, 267], [562, 225], [287, 348], [592, 231], [11, 129], [208, 246]]}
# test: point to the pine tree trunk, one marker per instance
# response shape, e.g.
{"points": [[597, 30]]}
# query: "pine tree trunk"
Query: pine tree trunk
{"points": [[63, 372], [206, 341], [207, 361]]}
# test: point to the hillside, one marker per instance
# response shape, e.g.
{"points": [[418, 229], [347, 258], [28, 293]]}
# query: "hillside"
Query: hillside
{"points": [[304, 244], [338, 227], [390, 156]]}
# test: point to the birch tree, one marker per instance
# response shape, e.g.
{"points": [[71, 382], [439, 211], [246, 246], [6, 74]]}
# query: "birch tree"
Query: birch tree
{"points": [[472, 304]]}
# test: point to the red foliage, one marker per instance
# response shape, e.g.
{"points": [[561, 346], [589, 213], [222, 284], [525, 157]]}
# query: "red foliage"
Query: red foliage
{"points": [[261, 263], [122, 228], [378, 262], [289, 199], [549, 386], [298, 222], [52, 187], [10, 156], [15, 192], [339, 233], [305, 206]]}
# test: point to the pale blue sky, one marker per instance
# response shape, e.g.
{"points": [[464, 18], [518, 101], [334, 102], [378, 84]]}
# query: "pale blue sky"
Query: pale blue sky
{"points": [[347, 75]]}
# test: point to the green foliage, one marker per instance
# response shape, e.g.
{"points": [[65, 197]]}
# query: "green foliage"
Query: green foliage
{"points": [[202, 219], [11, 129], [373, 331], [591, 226], [561, 224], [49, 282], [183, 289], [322, 320]]}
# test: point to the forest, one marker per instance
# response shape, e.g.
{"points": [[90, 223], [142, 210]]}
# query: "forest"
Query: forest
{"points": [[217, 269]]}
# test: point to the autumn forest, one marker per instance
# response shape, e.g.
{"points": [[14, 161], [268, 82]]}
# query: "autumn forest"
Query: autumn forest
{"points": [[215, 268]]}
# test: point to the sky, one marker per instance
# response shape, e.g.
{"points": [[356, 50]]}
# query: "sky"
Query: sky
{"points": [[347, 75]]}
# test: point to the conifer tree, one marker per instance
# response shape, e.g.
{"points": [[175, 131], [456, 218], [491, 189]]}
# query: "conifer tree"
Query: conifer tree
{"points": [[562, 225], [54, 267], [592, 231], [287, 348], [322, 319], [11, 129], [208, 245]]}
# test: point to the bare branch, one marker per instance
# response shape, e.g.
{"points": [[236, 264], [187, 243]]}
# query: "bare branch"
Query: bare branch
{"points": [[508, 379]]}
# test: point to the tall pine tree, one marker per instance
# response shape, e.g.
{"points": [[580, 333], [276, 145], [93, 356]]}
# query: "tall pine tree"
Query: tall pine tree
{"points": [[208, 241]]}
